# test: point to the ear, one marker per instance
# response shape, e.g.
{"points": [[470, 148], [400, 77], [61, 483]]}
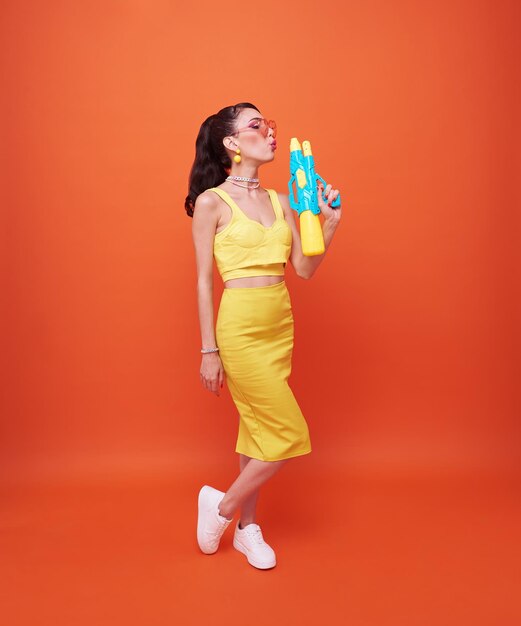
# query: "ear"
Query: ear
{"points": [[228, 143]]}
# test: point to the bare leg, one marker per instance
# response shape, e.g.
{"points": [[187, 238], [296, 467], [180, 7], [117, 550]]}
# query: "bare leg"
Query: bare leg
{"points": [[249, 480], [249, 504]]}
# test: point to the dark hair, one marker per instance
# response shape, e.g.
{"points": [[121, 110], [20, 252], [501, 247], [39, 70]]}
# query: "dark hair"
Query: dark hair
{"points": [[212, 161]]}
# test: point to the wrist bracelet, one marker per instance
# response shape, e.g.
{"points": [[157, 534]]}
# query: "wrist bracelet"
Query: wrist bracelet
{"points": [[207, 350]]}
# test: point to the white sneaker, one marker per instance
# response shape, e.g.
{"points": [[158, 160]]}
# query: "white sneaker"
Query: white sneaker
{"points": [[249, 541], [210, 523]]}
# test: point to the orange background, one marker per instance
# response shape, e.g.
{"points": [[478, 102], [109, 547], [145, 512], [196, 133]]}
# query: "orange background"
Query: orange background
{"points": [[405, 339]]}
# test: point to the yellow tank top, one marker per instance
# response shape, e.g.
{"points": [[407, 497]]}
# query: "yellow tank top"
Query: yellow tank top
{"points": [[247, 248]]}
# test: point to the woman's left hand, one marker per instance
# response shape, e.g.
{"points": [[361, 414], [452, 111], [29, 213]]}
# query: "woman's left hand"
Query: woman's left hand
{"points": [[325, 207]]}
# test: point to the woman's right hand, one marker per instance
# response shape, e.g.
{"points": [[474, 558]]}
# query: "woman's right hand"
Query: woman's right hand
{"points": [[212, 372]]}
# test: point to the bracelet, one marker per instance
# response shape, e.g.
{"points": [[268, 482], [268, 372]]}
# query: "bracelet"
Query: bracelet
{"points": [[207, 350]]}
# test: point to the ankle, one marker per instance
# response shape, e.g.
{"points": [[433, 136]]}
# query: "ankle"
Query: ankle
{"points": [[243, 523], [225, 511]]}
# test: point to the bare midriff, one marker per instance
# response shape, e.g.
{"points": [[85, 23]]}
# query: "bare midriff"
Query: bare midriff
{"points": [[253, 281]]}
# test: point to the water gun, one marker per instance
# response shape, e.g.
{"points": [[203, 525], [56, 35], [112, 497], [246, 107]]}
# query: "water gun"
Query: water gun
{"points": [[302, 169]]}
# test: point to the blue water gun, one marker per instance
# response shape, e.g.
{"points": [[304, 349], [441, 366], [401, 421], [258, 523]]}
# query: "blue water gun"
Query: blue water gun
{"points": [[302, 170]]}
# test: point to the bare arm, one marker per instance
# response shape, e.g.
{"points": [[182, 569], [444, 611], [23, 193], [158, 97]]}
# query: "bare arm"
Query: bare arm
{"points": [[204, 223], [306, 266]]}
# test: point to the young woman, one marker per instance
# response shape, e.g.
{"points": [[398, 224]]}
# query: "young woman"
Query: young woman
{"points": [[251, 232]]}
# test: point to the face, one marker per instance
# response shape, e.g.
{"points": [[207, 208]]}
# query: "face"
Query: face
{"points": [[254, 144]]}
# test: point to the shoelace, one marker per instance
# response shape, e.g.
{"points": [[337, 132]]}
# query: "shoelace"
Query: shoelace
{"points": [[255, 533]]}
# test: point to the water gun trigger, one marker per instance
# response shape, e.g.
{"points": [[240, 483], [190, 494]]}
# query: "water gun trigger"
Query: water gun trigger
{"points": [[336, 201]]}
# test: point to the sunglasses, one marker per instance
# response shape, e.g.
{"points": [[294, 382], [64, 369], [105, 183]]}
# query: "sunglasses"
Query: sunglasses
{"points": [[262, 124]]}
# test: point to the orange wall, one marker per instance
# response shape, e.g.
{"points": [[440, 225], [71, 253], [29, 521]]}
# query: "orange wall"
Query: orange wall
{"points": [[406, 336]]}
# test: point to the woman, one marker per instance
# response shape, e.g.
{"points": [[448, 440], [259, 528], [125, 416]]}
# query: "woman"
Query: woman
{"points": [[251, 232]]}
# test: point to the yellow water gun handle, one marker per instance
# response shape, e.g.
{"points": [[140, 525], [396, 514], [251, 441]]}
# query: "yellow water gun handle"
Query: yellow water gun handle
{"points": [[311, 234]]}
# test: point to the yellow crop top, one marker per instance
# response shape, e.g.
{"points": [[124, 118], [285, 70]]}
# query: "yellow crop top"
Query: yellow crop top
{"points": [[244, 247]]}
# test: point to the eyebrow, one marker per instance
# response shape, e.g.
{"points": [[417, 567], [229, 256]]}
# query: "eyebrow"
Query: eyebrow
{"points": [[255, 118]]}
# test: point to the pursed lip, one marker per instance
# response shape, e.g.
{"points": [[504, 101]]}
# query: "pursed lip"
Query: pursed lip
{"points": [[273, 144]]}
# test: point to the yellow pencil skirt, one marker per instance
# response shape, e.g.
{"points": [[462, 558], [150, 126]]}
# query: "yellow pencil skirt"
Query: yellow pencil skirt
{"points": [[254, 333]]}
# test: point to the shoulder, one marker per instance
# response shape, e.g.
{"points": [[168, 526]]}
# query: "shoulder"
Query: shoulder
{"points": [[284, 202], [283, 199], [206, 200], [206, 203], [206, 210]]}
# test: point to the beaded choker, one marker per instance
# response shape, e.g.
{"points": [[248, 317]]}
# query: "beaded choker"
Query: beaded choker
{"points": [[232, 179]]}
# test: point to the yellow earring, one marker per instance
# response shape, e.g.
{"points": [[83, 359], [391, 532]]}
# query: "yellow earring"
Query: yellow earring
{"points": [[237, 157]]}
